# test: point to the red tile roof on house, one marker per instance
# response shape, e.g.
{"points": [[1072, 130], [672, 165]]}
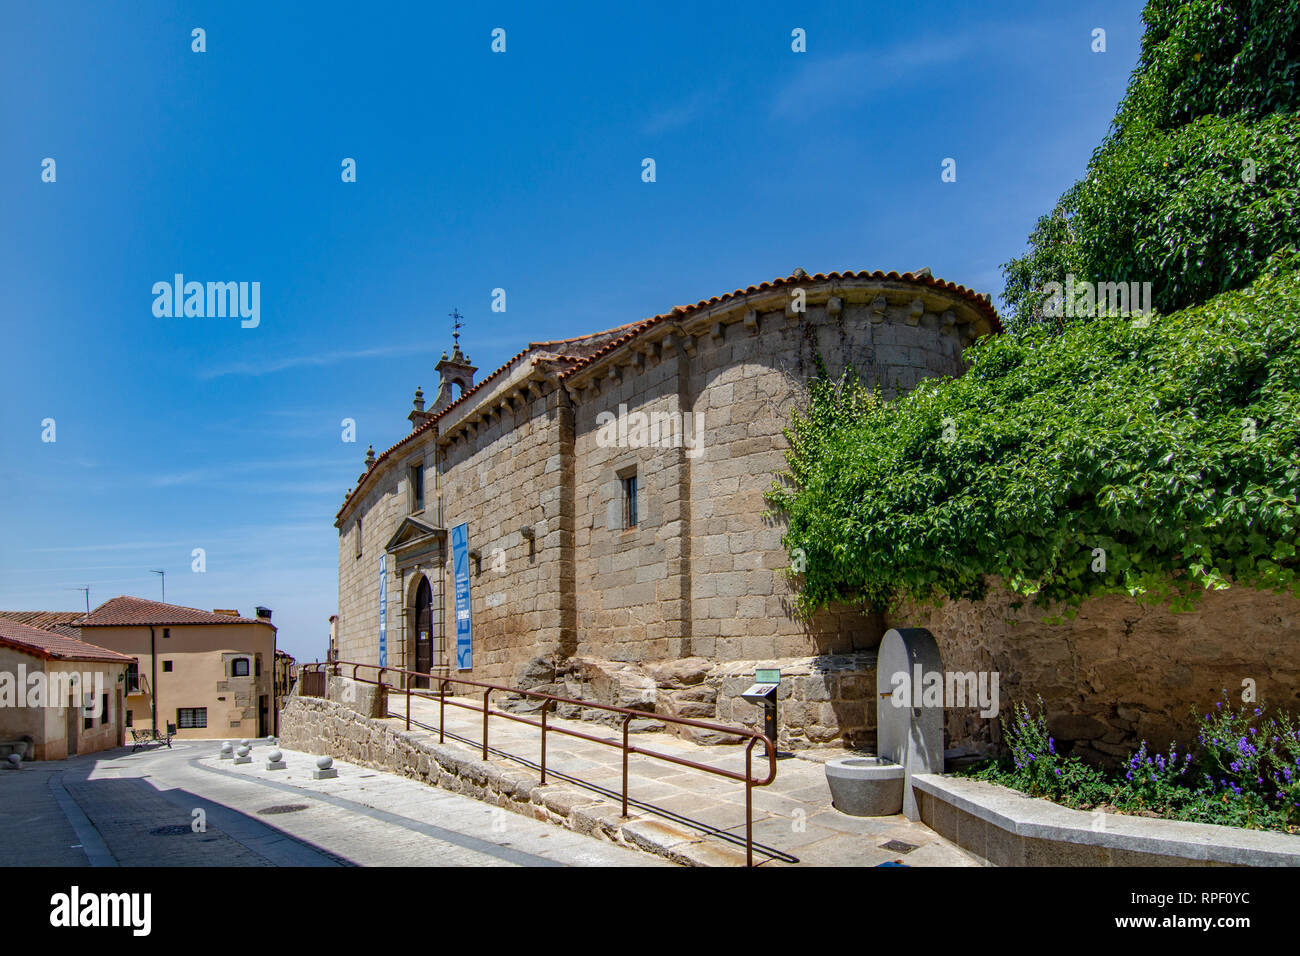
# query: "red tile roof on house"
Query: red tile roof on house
{"points": [[51, 646], [60, 622], [126, 611], [576, 356]]}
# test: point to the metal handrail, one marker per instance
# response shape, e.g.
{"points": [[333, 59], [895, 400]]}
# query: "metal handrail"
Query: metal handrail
{"points": [[548, 700]]}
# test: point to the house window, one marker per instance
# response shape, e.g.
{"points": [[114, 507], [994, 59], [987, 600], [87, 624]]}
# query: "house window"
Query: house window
{"points": [[132, 677], [357, 536], [629, 502], [167, 667], [130, 719], [189, 718], [239, 667], [167, 632], [88, 711], [417, 487], [103, 714]]}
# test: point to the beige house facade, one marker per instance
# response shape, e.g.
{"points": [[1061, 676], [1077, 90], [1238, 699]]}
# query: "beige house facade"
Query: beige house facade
{"points": [[611, 488], [59, 697], [198, 674]]}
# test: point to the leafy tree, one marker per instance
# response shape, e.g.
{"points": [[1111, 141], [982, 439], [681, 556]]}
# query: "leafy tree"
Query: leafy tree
{"points": [[1194, 187], [1169, 452]]}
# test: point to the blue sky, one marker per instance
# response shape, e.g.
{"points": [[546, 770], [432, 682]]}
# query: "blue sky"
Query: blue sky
{"points": [[475, 170]]}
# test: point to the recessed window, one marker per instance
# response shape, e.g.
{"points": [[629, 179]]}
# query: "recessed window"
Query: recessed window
{"points": [[630, 517], [103, 713], [417, 487], [130, 719], [188, 718], [132, 677], [167, 667], [167, 632], [357, 535], [239, 667]]}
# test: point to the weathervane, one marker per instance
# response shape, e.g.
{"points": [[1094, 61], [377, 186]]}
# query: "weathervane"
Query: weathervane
{"points": [[455, 315]]}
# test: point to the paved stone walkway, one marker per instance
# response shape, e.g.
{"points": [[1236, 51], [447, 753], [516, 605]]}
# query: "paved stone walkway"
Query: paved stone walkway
{"points": [[117, 808], [794, 821]]}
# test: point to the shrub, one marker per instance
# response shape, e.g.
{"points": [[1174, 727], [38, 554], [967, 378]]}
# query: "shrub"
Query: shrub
{"points": [[1194, 187], [1169, 452]]}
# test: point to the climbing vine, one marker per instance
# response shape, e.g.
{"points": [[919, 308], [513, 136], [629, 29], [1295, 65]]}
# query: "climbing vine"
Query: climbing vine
{"points": [[1156, 459]]}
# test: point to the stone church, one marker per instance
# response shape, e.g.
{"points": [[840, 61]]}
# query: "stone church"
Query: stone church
{"points": [[611, 488]]}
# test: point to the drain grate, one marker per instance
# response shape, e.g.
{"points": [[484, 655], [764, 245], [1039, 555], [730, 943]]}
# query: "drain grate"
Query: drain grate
{"points": [[284, 808], [174, 830], [898, 846]]}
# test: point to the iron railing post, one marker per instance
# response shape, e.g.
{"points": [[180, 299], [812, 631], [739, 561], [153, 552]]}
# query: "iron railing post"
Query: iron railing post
{"points": [[749, 803], [408, 708], [486, 695], [626, 720], [442, 711], [545, 706]]}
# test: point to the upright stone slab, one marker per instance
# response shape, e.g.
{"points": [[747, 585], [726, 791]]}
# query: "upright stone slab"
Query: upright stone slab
{"points": [[908, 732]]}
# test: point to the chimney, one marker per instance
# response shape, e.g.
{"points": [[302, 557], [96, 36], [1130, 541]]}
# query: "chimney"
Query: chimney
{"points": [[264, 613]]}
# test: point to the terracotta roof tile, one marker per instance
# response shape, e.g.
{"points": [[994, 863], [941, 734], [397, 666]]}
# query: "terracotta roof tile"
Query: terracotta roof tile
{"points": [[52, 646], [133, 611], [630, 330]]}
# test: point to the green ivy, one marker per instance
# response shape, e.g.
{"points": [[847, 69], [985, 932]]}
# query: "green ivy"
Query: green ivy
{"points": [[1194, 187], [1169, 450]]}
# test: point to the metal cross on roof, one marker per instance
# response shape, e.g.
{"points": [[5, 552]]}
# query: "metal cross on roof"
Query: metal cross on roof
{"points": [[456, 326]]}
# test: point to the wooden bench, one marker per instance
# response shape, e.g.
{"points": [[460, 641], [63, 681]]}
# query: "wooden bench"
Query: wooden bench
{"points": [[141, 738]]}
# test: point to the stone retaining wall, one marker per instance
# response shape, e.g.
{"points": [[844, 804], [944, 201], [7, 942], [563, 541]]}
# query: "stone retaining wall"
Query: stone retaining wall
{"points": [[317, 726], [1119, 672]]}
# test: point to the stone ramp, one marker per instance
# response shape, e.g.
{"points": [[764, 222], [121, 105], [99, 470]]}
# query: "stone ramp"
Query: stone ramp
{"points": [[678, 813]]}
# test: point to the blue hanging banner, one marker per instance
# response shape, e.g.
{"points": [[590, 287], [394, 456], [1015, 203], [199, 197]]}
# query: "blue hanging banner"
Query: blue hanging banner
{"points": [[460, 577], [383, 611]]}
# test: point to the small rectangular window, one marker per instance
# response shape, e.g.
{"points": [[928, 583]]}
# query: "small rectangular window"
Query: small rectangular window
{"points": [[103, 714], [239, 667], [130, 719], [417, 487], [167, 667], [167, 632], [132, 677], [189, 718], [357, 536], [629, 502]]}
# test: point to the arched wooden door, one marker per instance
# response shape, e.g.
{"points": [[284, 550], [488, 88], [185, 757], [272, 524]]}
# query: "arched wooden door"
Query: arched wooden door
{"points": [[423, 631]]}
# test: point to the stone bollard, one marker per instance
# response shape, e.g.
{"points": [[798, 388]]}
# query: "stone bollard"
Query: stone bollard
{"points": [[275, 760], [242, 754], [324, 769], [246, 743], [227, 750], [15, 762]]}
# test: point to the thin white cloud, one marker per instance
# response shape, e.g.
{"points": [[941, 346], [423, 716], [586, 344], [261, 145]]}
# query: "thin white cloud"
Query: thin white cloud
{"points": [[681, 114], [271, 366], [852, 78]]}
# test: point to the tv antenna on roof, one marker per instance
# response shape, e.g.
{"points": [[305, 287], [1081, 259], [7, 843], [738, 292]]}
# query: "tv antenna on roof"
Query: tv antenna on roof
{"points": [[163, 577], [86, 591]]}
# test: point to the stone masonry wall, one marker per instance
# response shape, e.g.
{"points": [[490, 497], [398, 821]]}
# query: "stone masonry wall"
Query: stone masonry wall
{"points": [[511, 473], [1118, 673]]}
